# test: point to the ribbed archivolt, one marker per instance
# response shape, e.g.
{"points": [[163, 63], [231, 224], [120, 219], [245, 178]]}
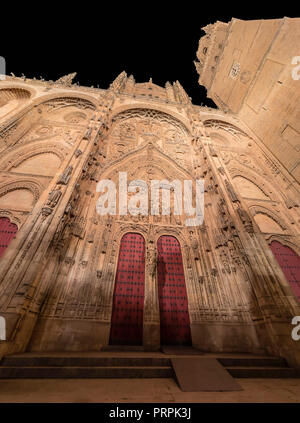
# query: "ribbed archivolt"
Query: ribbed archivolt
{"points": [[9, 94]]}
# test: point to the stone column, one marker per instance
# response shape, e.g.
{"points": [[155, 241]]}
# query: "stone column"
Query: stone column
{"points": [[151, 329]]}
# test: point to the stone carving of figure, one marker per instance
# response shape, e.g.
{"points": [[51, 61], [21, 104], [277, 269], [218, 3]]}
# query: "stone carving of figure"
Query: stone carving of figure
{"points": [[231, 191], [245, 219], [65, 177], [152, 260], [201, 130], [53, 198], [222, 213], [88, 134], [205, 238], [106, 233]]}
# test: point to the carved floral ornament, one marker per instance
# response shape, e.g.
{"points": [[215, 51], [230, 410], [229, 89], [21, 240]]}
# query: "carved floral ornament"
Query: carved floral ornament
{"points": [[17, 218], [235, 70], [225, 126], [11, 93], [48, 106], [135, 128], [75, 117], [284, 239], [13, 132], [157, 166], [152, 115], [64, 102], [151, 233]]}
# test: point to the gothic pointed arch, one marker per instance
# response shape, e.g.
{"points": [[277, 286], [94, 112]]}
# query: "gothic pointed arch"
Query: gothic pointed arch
{"points": [[20, 154], [230, 132], [61, 100], [249, 188], [22, 194], [146, 156], [152, 110], [56, 118], [285, 240], [14, 217], [268, 220], [252, 180]]}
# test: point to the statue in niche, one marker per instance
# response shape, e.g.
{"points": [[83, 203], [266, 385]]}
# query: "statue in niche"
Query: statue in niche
{"points": [[152, 259], [188, 257], [231, 191], [53, 198], [126, 130], [65, 177], [205, 238], [245, 219], [194, 243], [222, 213], [106, 232], [201, 130]]}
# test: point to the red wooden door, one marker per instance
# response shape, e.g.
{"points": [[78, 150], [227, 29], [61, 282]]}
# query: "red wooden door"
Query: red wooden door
{"points": [[128, 301], [7, 233], [173, 303], [289, 262]]}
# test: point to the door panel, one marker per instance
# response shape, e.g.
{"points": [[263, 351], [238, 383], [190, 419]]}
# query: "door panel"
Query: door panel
{"points": [[7, 233], [128, 301], [173, 302], [289, 262]]}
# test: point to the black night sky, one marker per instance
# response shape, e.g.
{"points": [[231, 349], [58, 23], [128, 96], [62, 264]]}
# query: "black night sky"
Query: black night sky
{"points": [[148, 39]]}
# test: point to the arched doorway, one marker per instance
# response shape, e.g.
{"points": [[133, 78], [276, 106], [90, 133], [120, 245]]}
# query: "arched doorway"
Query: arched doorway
{"points": [[173, 303], [128, 300], [289, 262], [7, 233]]}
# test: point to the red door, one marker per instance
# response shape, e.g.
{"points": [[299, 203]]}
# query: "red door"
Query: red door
{"points": [[173, 303], [128, 301], [289, 262], [7, 233]]}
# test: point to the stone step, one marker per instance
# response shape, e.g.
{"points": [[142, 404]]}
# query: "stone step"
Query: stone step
{"points": [[263, 372], [57, 365], [252, 361], [30, 361], [53, 361], [122, 348], [7, 372]]}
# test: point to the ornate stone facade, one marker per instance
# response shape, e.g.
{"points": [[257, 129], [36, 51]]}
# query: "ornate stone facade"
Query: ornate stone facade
{"points": [[57, 276]]}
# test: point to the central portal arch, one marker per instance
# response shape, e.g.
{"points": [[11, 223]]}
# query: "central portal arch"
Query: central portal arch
{"points": [[173, 303]]}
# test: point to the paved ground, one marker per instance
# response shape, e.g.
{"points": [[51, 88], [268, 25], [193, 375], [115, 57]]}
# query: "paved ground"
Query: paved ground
{"points": [[142, 390]]}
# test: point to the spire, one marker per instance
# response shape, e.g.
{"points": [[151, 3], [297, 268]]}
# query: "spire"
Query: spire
{"points": [[180, 93], [67, 79], [119, 82]]}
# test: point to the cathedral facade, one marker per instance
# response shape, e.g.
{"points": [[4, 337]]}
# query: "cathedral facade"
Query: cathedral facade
{"points": [[73, 280]]}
